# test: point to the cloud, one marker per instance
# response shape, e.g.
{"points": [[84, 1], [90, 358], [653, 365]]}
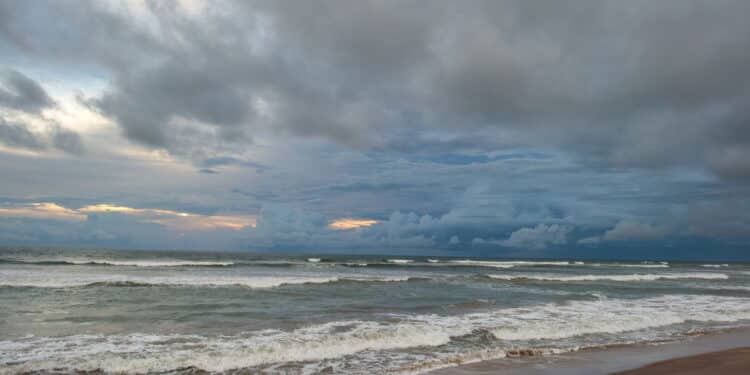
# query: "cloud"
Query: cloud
{"points": [[633, 230], [628, 230], [594, 240], [437, 121], [210, 165], [19, 92], [17, 135], [534, 238], [174, 220], [26, 97], [66, 140], [42, 210], [349, 223], [281, 226], [394, 76]]}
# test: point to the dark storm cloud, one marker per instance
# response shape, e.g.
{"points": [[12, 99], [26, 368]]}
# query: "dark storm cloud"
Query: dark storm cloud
{"points": [[621, 83], [228, 160], [19, 92], [66, 140], [16, 135], [523, 123]]}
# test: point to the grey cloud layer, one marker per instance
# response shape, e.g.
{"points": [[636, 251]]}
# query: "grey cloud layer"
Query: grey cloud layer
{"points": [[621, 83], [19, 136], [525, 124], [22, 94]]}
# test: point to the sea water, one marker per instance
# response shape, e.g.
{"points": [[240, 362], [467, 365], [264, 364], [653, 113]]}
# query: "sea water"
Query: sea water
{"points": [[65, 311]]}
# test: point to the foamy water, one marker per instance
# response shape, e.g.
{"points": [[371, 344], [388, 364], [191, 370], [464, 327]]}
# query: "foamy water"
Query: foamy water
{"points": [[122, 312], [615, 277]]}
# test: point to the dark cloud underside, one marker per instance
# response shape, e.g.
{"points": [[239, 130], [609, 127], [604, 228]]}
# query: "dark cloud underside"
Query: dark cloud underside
{"points": [[648, 84], [524, 124]]}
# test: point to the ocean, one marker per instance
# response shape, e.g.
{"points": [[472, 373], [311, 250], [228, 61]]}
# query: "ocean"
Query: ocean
{"points": [[64, 311]]}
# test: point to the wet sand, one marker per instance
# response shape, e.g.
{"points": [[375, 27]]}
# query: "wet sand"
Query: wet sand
{"points": [[718, 353], [726, 362]]}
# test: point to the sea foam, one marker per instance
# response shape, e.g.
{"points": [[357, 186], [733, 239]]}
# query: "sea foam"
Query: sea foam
{"points": [[334, 340], [508, 264], [20, 278], [630, 277], [123, 263]]}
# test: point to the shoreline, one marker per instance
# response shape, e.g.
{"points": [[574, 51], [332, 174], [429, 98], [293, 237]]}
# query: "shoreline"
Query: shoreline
{"points": [[631, 359], [725, 362]]}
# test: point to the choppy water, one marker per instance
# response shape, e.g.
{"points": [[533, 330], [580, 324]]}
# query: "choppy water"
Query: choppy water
{"points": [[148, 312]]}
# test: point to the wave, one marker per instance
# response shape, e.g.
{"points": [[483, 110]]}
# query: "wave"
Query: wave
{"points": [[40, 262], [612, 316], [399, 261], [631, 277], [491, 263], [631, 265], [455, 263], [259, 283], [354, 264], [715, 265], [124, 263], [473, 356], [253, 283], [508, 264], [318, 261], [161, 263], [119, 354], [339, 343], [660, 265]]}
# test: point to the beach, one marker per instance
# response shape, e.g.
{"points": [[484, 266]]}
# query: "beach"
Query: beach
{"points": [[715, 353], [727, 362]]}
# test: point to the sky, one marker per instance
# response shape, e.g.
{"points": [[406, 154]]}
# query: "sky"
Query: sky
{"points": [[600, 129]]}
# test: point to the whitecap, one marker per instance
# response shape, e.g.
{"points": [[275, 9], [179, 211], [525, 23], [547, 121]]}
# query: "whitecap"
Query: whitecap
{"points": [[507, 264], [630, 277], [19, 278], [340, 339], [399, 261]]}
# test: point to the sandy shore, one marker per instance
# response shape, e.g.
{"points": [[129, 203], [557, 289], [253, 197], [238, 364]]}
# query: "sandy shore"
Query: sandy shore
{"points": [[719, 353], [725, 362]]}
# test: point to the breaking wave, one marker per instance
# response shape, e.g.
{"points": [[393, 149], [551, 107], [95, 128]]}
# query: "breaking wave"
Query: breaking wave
{"points": [[629, 265], [509, 327], [509, 264], [123, 263], [254, 283], [631, 277], [399, 261]]}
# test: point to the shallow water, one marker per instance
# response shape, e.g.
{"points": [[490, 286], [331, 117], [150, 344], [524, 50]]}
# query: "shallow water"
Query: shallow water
{"points": [[134, 311]]}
